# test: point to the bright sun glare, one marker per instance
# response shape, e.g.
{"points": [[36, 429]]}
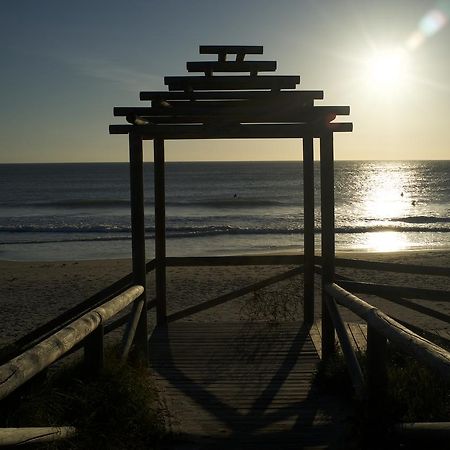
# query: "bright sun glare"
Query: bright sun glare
{"points": [[388, 68]]}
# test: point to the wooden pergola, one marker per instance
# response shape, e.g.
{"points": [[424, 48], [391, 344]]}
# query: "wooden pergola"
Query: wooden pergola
{"points": [[212, 106]]}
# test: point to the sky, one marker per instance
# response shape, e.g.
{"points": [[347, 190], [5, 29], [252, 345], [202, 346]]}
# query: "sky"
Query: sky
{"points": [[66, 64]]}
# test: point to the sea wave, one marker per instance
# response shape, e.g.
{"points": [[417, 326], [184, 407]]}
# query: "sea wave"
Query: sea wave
{"points": [[85, 232], [214, 203], [421, 219]]}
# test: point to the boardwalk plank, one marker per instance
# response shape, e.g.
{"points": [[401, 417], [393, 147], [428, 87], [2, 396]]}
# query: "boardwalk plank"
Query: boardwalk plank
{"points": [[237, 385]]}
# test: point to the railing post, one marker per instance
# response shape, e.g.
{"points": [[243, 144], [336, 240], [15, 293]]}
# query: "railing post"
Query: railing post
{"points": [[308, 236], [94, 350], [328, 241], [376, 371], [160, 231], [138, 243]]}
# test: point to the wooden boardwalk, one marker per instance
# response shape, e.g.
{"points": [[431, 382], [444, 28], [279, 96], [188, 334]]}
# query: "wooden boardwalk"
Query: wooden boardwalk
{"points": [[240, 385]]}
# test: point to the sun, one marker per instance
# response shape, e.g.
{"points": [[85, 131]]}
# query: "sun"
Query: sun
{"points": [[387, 69]]}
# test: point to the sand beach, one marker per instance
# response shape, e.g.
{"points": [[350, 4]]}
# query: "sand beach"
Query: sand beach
{"points": [[32, 293]]}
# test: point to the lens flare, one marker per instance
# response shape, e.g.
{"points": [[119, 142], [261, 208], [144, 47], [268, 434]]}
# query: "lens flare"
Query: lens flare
{"points": [[430, 24]]}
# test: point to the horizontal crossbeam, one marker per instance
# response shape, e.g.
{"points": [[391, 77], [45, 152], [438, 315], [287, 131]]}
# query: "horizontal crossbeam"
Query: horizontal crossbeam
{"points": [[232, 82], [231, 49], [231, 66], [253, 131], [232, 95], [236, 110]]}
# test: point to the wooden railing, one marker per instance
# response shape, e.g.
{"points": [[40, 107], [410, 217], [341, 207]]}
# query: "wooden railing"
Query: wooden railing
{"points": [[87, 330], [382, 328]]}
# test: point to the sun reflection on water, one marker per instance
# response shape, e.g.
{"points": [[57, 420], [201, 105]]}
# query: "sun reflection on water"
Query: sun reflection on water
{"points": [[387, 241], [385, 196]]}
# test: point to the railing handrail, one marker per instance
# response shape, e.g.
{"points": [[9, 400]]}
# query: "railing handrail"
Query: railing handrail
{"points": [[22, 368], [424, 350]]}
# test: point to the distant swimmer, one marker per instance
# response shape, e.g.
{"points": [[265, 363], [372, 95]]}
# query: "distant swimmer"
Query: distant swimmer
{"points": [[235, 196], [401, 195], [413, 203]]}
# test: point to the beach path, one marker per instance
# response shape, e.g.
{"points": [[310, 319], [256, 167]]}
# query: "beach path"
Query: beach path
{"points": [[244, 385]]}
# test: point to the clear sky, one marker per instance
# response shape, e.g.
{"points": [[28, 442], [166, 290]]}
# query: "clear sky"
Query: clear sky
{"points": [[66, 64]]}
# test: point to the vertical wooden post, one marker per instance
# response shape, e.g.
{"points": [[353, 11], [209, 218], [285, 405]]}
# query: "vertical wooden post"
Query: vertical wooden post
{"points": [[328, 242], [138, 243], [376, 371], [308, 237], [160, 231], [94, 351]]}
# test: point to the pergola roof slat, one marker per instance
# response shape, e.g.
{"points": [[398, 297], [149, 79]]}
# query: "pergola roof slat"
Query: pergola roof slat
{"points": [[253, 131], [234, 82], [231, 49], [231, 66], [230, 95], [233, 109], [232, 106]]}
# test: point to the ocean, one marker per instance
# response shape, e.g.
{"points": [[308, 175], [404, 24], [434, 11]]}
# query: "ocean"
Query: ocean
{"points": [[81, 211]]}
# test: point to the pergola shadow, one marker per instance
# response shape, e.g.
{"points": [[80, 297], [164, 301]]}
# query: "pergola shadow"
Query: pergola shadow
{"points": [[251, 381]]}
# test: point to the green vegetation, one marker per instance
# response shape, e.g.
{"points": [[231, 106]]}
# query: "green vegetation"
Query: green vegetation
{"points": [[414, 394], [117, 409]]}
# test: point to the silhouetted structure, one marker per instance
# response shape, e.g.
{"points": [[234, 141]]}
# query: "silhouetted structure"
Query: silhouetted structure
{"points": [[225, 107]]}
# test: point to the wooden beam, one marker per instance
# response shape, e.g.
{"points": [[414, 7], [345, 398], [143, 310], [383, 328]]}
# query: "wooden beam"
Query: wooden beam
{"points": [[406, 340], [401, 291], [272, 112], [34, 435], [328, 238], [231, 66], [232, 82], [308, 220], [393, 267], [231, 49], [138, 242], [233, 295], [353, 367], [241, 260], [229, 95], [19, 370], [251, 109], [253, 131], [160, 230], [377, 377]]}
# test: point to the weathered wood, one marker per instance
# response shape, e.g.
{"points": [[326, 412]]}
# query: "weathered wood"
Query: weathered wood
{"points": [[377, 379], [424, 433], [401, 291], [201, 112], [34, 435], [308, 220], [138, 241], [232, 82], [253, 131], [233, 295], [113, 325], [22, 368], [160, 230], [231, 66], [406, 340], [296, 109], [231, 49], [231, 95], [244, 385], [328, 238], [130, 331], [94, 350], [40, 333], [241, 260], [353, 366], [391, 267]]}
